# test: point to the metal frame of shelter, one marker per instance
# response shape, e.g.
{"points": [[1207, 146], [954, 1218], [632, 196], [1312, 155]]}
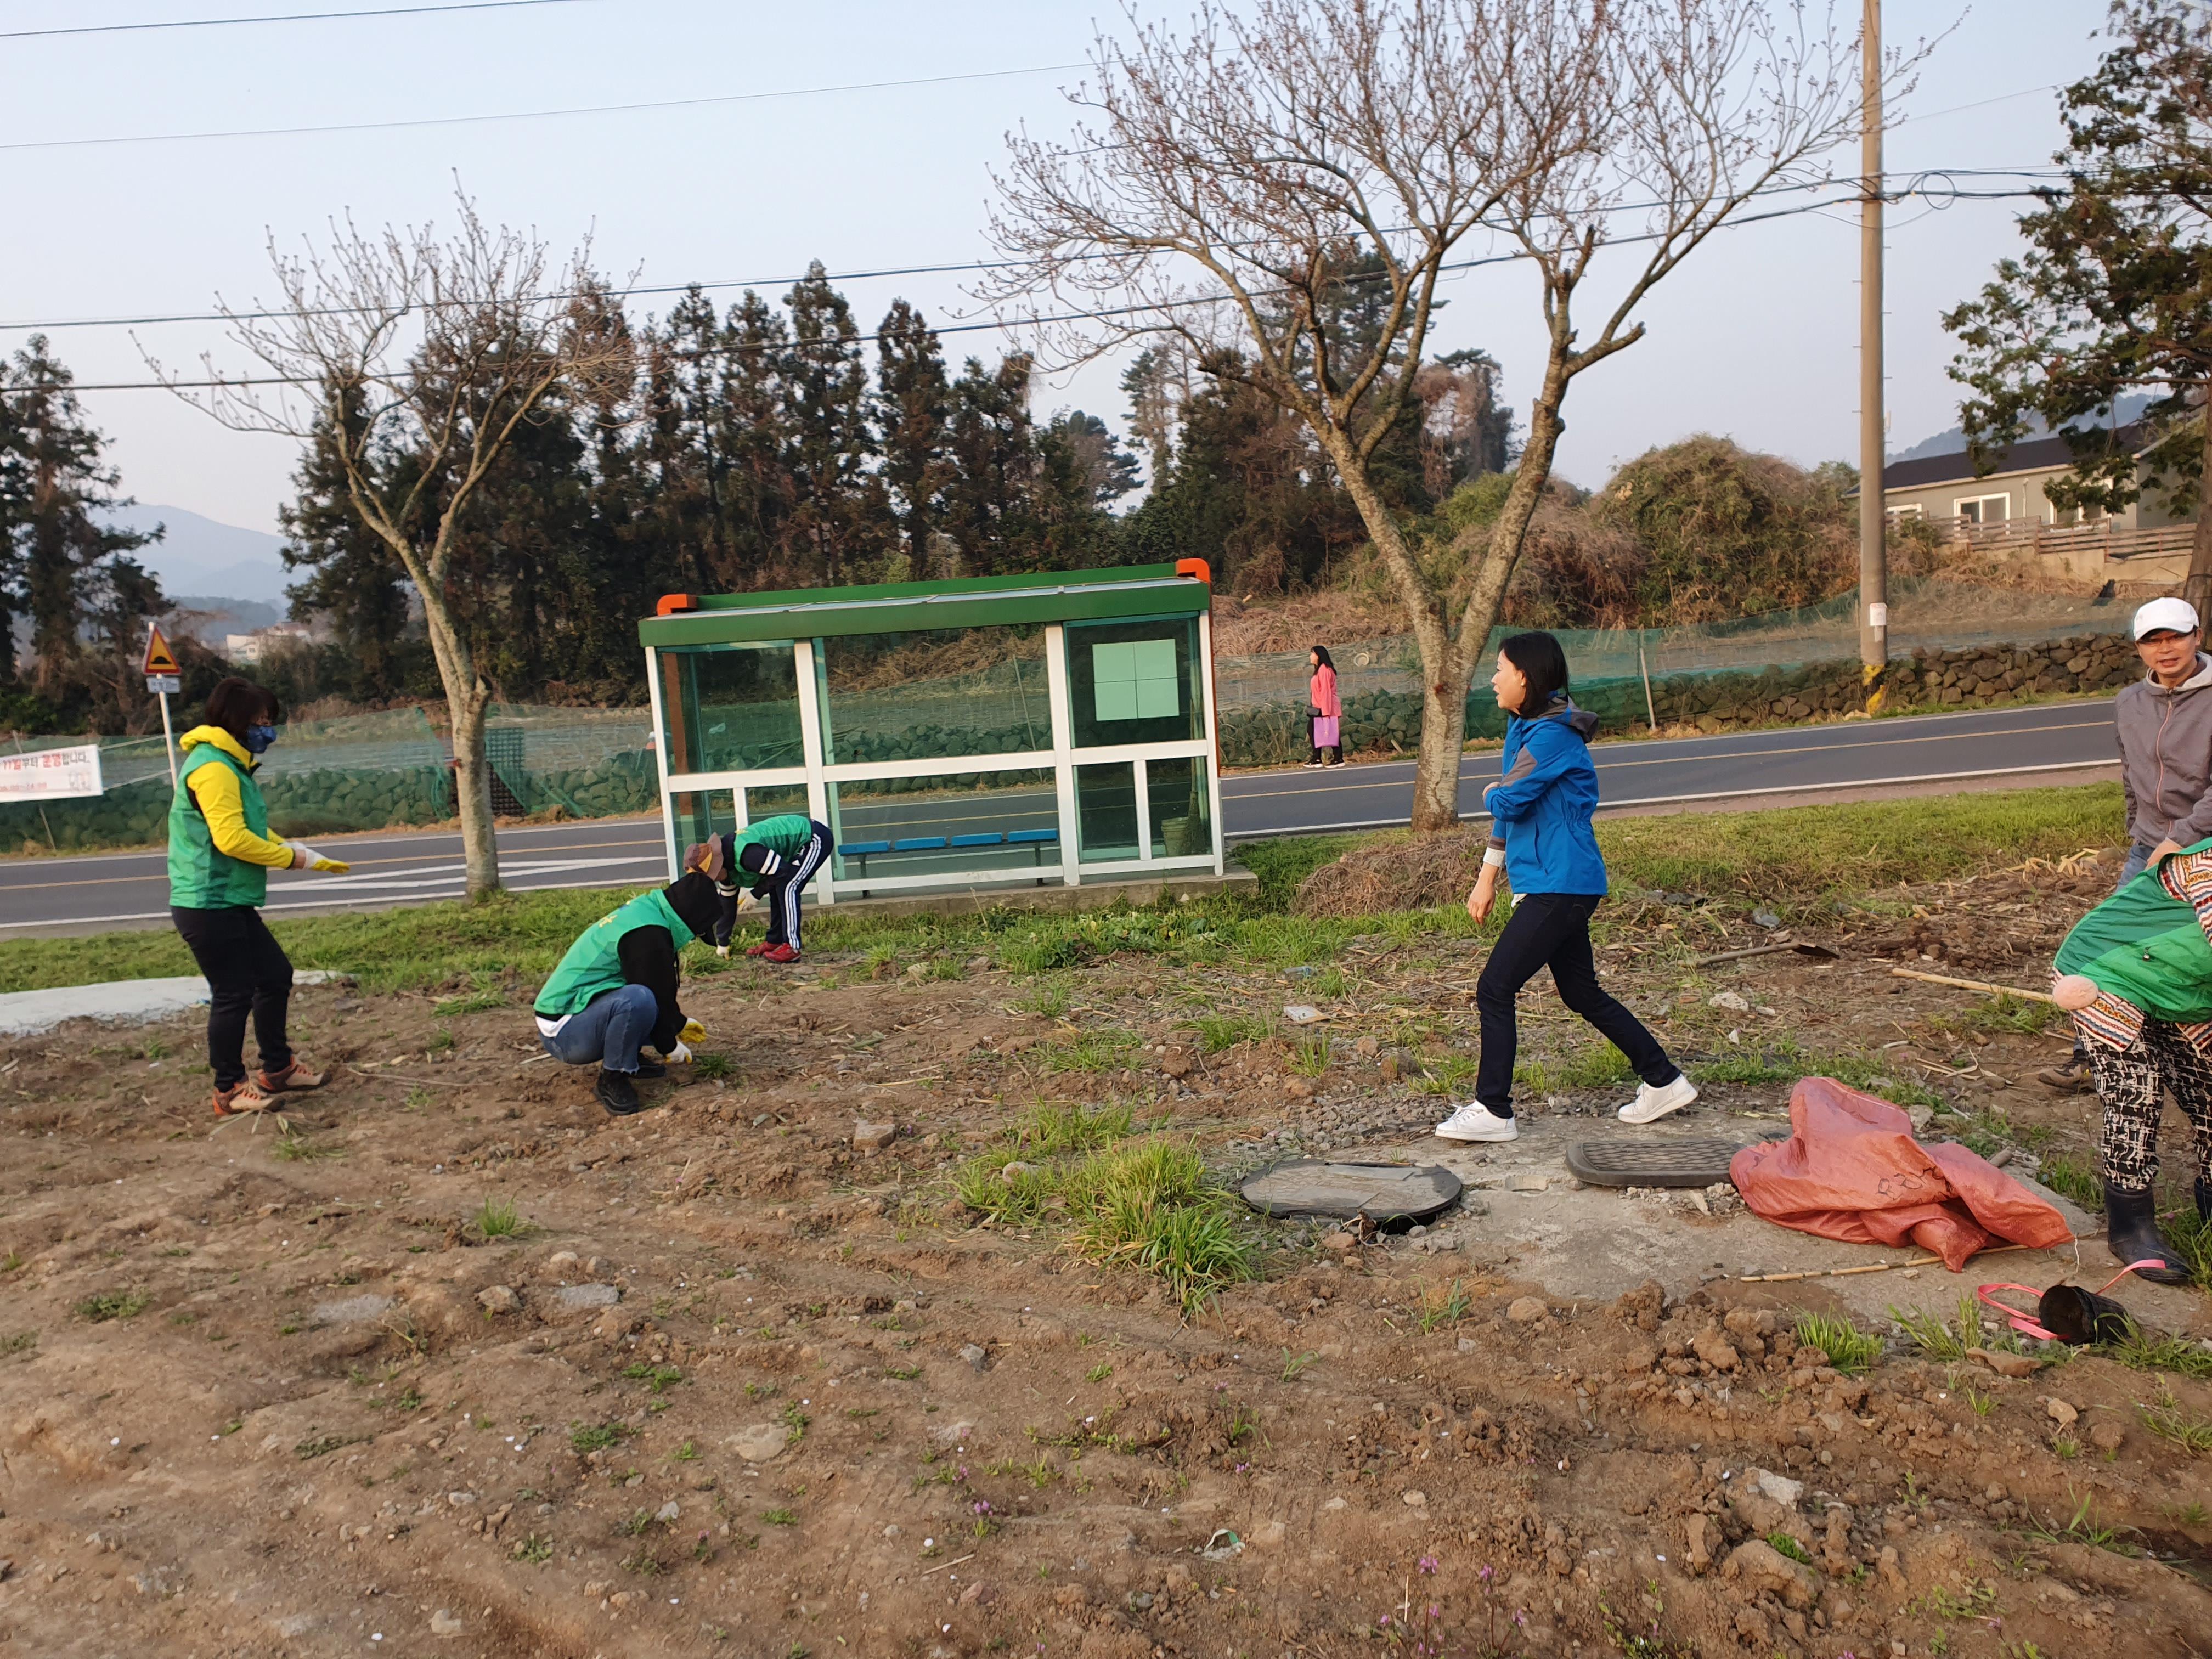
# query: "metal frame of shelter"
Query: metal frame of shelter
{"points": [[1130, 647]]}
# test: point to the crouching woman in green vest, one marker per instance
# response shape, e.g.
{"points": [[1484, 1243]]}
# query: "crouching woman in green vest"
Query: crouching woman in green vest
{"points": [[221, 853], [2137, 974], [614, 992]]}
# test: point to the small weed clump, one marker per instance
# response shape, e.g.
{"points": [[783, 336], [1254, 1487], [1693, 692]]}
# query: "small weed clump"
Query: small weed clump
{"points": [[296, 1148], [596, 1437], [475, 1002], [497, 1217], [1585, 1069], [1219, 1031], [112, 1304], [1850, 1350], [1444, 1304], [2074, 1179]]}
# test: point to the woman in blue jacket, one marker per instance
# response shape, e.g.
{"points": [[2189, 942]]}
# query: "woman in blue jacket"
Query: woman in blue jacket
{"points": [[1541, 813]]}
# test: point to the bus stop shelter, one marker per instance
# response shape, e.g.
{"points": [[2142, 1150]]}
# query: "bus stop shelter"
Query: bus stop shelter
{"points": [[995, 731]]}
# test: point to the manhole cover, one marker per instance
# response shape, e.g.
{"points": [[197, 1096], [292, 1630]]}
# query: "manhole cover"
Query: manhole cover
{"points": [[1690, 1161], [1383, 1193]]}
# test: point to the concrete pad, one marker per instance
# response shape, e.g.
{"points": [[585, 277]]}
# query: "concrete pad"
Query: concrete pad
{"points": [[118, 1002], [1592, 1244]]}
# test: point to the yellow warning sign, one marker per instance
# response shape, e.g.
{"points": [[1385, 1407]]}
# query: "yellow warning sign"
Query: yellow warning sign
{"points": [[160, 659]]}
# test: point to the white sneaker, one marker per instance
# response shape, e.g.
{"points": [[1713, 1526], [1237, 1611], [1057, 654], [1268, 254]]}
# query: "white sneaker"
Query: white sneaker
{"points": [[1476, 1121], [1652, 1104]]}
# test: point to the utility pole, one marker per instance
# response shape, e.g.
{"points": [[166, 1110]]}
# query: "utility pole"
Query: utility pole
{"points": [[1873, 557]]}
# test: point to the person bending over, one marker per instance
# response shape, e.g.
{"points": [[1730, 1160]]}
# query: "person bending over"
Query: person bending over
{"points": [[1540, 811], [2137, 974], [777, 857], [614, 991], [221, 853]]}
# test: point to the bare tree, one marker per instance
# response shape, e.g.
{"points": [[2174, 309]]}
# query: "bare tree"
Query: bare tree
{"points": [[1229, 185], [415, 361]]}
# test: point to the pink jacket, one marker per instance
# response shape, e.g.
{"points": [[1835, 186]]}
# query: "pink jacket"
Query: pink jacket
{"points": [[1322, 693]]}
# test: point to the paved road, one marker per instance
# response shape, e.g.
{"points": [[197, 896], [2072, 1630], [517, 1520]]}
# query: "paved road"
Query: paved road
{"points": [[409, 867]]}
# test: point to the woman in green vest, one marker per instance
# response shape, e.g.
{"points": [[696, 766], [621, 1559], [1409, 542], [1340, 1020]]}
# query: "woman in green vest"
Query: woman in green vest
{"points": [[221, 853], [614, 991], [2137, 974]]}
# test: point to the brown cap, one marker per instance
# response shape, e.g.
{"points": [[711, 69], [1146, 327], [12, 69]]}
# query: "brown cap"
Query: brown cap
{"points": [[705, 855]]}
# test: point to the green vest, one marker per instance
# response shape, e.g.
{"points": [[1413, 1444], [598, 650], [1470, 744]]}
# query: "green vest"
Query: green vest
{"points": [[594, 963], [2146, 947], [786, 837], [201, 877]]}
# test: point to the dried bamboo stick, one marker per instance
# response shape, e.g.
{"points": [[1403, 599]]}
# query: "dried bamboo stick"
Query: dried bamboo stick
{"points": [[1983, 985]]}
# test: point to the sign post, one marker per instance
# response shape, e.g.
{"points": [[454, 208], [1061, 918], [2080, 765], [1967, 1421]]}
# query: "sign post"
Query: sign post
{"points": [[163, 676]]}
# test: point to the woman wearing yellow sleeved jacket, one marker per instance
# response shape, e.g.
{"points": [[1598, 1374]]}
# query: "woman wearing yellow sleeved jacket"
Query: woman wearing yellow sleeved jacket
{"points": [[221, 853]]}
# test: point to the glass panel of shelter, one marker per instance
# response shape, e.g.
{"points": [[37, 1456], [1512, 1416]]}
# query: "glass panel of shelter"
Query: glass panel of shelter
{"points": [[730, 708], [1135, 681], [933, 695], [888, 829]]}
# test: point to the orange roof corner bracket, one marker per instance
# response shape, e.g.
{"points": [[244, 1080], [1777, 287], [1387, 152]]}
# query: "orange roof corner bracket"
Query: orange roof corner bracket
{"points": [[1197, 567], [672, 602]]}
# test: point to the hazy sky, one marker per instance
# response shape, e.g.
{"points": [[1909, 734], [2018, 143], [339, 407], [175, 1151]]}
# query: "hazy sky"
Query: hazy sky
{"points": [[1755, 338]]}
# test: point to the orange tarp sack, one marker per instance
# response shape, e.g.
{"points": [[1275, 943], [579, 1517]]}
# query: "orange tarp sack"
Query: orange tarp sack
{"points": [[1852, 1170]]}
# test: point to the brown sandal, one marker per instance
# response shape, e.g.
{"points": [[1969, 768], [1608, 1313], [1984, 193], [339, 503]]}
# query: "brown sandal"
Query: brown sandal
{"points": [[294, 1076], [240, 1099]]}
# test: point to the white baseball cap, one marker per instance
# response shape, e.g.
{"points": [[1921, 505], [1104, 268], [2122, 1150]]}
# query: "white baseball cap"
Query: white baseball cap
{"points": [[2177, 615]]}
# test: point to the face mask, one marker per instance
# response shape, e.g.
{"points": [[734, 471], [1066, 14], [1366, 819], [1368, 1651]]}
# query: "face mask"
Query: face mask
{"points": [[258, 737]]}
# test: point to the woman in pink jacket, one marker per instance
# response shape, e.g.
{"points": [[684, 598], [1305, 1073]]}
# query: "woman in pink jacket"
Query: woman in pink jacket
{"points": [[1324, 711]]}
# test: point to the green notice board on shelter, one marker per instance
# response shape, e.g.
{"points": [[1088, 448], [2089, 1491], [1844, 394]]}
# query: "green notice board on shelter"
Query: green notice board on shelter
{"points": [[1136, 680]]}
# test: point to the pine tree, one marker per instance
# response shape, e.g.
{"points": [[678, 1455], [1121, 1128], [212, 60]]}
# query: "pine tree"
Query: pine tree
{"points": [[840, 512], [993, 455], [913, 416], [351, 578], [55, 543]]}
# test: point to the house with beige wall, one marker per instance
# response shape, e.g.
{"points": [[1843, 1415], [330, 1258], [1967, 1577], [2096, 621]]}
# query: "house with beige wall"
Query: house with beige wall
{"points": [[2007, 511]]}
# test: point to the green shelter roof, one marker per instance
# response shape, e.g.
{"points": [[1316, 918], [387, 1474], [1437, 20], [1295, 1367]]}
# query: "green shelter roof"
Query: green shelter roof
{"points": [[1051, 596]]}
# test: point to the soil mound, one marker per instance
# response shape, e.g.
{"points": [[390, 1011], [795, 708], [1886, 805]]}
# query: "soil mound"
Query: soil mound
{"points": [[1399, 875]]}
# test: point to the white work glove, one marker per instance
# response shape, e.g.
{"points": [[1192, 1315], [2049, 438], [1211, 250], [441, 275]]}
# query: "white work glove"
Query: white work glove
{"points": [[304, 857], [745, 901], [680, 1054], [723, 951]]}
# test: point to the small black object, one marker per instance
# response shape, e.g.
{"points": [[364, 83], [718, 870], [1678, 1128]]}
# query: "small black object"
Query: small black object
{"points": [[618, 1094], [2079, 1316], [1392, 1196], [650, 1068]]}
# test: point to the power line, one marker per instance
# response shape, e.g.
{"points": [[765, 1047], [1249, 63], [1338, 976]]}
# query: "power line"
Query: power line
{"points": [[876, 273], [1453, 267], [283, 17], [528, 114]]}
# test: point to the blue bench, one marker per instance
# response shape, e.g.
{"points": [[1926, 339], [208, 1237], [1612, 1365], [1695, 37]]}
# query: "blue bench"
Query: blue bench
{"points": [[1025, 837], [919, 844], [992, 840]]}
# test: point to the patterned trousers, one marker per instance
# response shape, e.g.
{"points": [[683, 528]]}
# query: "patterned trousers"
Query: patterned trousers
{"points": [[2132, 1082]]}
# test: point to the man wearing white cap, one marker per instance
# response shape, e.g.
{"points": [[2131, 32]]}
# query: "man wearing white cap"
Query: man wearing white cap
{"points": [[2164, 722]]}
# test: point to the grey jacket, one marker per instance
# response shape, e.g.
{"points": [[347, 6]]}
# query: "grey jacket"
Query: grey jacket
{"points": [[2166, 758]]}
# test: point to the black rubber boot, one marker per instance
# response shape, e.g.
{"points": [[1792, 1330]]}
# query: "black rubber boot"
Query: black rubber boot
{"points": [[618, 1094], [2131, 1234]]}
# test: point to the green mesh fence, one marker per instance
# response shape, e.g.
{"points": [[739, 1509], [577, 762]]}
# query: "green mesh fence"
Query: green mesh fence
{"points": [[383, 770]]}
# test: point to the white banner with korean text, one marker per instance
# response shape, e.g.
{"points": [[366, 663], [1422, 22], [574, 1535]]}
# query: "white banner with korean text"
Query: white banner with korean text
{"points": [[51, 773]]}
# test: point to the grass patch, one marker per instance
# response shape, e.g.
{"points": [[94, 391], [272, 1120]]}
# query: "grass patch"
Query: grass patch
{"points": [[1586, 1068], [1141, 1203], [475, 1002], [296, 1148], [1094, 1051], [2084, 1527], [1850, 1350], [112, 1304], [2169, 1421], [1219, 1031], [711, 1066], [1791, 857], [496, 1218], [1309, 1055], [1946, 1342], [2074, 1179], [1442, 1305], [595, 1436], [1783, 1544], [1785, 1062], [2147, 1351]]}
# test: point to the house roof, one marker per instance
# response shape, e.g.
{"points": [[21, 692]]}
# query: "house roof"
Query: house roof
{"points": [[2036, 455]]}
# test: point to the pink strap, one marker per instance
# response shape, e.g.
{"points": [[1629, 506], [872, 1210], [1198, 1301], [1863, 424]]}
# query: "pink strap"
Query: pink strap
{"points": [[2025, 1323]]}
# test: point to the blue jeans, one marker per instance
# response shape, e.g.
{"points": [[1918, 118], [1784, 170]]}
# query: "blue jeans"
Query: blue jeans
{"points": [[2138, 860], [608, 1031]]}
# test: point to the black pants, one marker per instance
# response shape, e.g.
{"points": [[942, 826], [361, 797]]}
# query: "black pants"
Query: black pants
{"points": [[246, 968], [786, 884], [1551, 930]]}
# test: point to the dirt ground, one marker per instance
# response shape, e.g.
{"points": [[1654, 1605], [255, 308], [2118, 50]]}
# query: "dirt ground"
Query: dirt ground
{"points": [[741, 1385]]}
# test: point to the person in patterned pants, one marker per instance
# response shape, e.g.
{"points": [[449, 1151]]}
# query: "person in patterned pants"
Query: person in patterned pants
{"points": [[2137, 974]]}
